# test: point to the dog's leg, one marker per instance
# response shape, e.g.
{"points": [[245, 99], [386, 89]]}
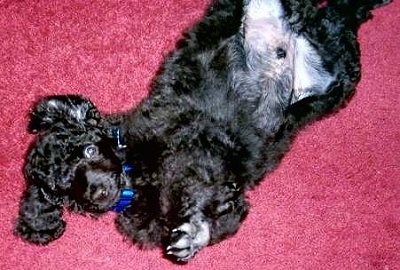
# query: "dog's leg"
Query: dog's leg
{"points": [[183, 203], [220, 218], [332, 31], [200, 204], [357, 10], [39, 220], [200, 36], [299, 13], [227, 211]]}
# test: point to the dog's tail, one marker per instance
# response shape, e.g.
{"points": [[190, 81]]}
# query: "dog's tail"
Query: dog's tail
{"points": [[360, 10]]}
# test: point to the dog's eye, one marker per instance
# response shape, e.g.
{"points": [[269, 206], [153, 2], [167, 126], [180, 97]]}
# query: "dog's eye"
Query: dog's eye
{"points": [[280, 53], [90, 151]]}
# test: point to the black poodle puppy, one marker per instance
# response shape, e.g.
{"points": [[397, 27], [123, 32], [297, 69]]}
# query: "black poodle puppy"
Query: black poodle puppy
{"points": [[222, 112]]}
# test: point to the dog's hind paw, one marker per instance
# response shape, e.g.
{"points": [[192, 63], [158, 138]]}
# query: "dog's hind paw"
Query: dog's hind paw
{"points": [[189, 238]]}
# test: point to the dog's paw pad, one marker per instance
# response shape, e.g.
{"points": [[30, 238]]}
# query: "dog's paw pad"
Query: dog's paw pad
{"points": [[187, 239]]}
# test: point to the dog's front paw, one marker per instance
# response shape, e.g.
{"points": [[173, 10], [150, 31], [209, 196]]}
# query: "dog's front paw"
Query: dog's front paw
{"points": [[189, 238]]}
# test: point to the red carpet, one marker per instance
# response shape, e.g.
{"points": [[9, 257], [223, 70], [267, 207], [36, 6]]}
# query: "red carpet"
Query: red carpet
{"points": [[334, 203]]}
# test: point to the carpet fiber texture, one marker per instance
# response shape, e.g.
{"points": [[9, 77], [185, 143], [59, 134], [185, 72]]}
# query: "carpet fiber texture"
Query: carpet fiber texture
{"points": [[333, 203]]}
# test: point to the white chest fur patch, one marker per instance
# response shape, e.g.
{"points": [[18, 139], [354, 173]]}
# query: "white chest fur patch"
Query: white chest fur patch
{"points": [[309, 74]]}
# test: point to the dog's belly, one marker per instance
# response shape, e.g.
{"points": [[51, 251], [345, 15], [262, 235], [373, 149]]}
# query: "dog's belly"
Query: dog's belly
{"points": [[265, 30]]}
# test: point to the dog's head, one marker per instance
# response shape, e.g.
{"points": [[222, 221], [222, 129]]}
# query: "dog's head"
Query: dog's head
{"points": [[74, 159]]}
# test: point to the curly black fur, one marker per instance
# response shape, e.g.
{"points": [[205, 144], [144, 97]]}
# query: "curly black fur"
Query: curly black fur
{"points": [[222, 112]]}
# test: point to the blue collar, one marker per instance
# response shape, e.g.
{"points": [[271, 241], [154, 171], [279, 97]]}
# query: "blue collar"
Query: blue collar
{"points": [[125, 199], [127, 194]]}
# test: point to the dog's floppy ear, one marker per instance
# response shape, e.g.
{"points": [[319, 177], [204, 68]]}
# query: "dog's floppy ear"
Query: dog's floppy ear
{"points": [[61, 111], [39, 220]]}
